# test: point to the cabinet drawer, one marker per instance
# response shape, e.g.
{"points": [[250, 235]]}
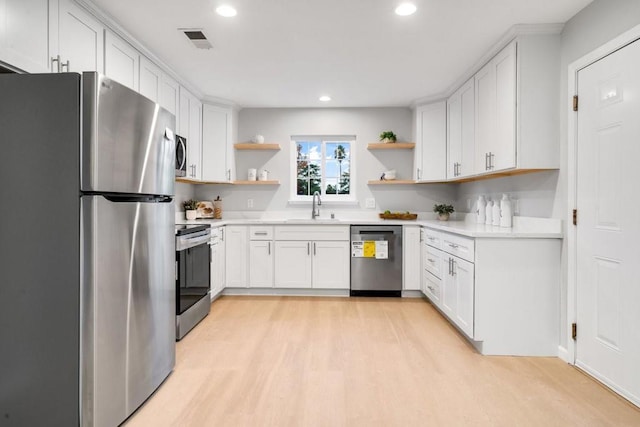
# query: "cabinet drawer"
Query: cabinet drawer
{"points": [[312, 232], [432, 287], [432, 238], [261, 232], [463, 247], [433, 261]]}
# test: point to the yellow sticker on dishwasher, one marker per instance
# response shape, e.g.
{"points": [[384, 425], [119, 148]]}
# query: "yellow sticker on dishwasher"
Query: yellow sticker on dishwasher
{"points": [[369, 249]]}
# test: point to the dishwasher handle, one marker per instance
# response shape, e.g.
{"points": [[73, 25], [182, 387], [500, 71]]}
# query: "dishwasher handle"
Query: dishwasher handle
{"points": [[375, 232]]}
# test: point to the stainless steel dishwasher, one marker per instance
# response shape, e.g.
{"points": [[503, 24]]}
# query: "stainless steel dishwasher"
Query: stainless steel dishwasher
{"points": [[376, 260]]}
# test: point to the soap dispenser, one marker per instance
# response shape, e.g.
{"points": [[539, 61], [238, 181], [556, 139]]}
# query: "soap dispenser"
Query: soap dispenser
{"points": [[495, 215], [506, 212], [481, 213], [488, 212]]}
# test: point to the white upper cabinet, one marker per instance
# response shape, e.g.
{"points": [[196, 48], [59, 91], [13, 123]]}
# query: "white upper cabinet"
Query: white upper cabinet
{"points": [[431, 142], [189, 125], [217, 155], [516, 108], [461, 132], [80, 39], [25, 34], [122, 61], [150, 80]]}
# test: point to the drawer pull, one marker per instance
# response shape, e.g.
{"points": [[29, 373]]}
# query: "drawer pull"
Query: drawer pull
{"points": [[454, 246], [431, 260], [260, 233]]}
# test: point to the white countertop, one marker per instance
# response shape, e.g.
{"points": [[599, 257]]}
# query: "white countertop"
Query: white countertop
{"points": [[523, 227]]}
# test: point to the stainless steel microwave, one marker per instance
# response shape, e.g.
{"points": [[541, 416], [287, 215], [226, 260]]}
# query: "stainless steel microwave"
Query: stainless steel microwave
{"points": [[181, 156]]}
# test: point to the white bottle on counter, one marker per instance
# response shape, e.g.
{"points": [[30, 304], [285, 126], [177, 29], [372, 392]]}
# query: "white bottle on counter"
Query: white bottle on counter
{"points": [[506, 212], [488, 211], [481, 213], [495, 215]]}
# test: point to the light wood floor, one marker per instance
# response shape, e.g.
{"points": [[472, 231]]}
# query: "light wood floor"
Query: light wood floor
{"points": [[285, 361]]}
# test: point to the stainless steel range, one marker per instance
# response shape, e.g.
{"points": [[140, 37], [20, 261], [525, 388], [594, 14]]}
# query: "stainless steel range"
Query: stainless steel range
{"points": [[193, 276]]}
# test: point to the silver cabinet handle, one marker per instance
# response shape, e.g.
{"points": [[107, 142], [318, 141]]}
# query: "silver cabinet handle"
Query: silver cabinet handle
{"points": [[491, 156], [453, 245], [486, 161], [453, 267], [449, 266], [260, 233], [431, 260], [228, 174], [269, 243], [55, 60], [314, 248], [65, 64], [418, 173], [308, 248], [222, 234]]}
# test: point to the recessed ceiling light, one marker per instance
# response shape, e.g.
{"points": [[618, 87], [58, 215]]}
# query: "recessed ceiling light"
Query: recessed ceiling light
{"points": [[226, 11], [405, 9], [325, 98]]}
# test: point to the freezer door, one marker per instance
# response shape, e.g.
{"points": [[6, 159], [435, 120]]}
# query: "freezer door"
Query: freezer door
{"points": [[128, 140], [127, 305]]}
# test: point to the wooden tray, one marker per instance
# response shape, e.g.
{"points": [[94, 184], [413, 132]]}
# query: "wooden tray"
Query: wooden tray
{"points": [[403, 216]]}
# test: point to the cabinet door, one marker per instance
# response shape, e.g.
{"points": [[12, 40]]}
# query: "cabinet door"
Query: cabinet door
{"points": [[467, 130], [463, 272], [150, 80], [485, 113], [504, 148], [454, 135], [331, 265], [121, 61], [216, 143], [261, 264], [25, 34], [411, 265], [217, 268], [81, 39], [236, 256], [188, 107], [292, 264], [431, 156], [169, 97], [449, 290]]}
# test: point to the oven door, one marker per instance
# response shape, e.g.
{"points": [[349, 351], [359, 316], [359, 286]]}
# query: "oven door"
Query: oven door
{"points": [[181, 156], [194, 276]]}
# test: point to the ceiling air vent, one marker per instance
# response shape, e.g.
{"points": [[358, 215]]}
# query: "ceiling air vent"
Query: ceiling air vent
{"points": [[198, 38]]}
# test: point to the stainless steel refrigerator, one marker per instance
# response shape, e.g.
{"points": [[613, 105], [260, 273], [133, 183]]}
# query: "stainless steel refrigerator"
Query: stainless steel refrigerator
{"points": [[87, 289]]}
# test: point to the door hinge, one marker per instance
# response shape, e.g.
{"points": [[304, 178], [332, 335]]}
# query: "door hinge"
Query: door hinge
{"points": [[574, 331], [575, 217], [575, 103]]}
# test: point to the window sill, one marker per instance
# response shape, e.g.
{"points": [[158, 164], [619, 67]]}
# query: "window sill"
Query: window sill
{"points": [[325, 202]]}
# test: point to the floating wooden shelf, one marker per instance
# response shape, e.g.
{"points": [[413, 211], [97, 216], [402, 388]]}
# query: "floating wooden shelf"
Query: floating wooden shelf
{"points": [[185, 180], [255, 147], [392, 182], [391, 146], [256, 182]]}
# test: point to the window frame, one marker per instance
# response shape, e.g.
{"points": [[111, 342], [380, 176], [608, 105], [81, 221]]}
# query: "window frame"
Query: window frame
{"points": [[323, 140]]}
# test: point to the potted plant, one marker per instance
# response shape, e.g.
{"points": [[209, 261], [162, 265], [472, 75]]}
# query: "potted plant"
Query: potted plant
{"points": [[190, 208], [443, 211], [388, 136]]}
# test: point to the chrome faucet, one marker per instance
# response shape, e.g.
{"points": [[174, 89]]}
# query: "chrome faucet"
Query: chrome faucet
{"points": [[315, 209]]}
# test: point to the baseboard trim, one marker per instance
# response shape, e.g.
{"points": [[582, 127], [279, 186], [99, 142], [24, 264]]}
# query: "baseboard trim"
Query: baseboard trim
{"points": [[287, 292], [563, 354]]}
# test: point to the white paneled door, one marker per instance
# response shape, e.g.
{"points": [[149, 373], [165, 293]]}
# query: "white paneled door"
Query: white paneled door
{"points": [[608, 230]]}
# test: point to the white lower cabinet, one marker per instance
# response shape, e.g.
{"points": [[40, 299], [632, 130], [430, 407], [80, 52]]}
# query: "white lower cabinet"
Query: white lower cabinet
{"points": [[236, 256], [502, 293], [330, 265], [321, 263], [217, 262], [293, 264], [261, 250], [411, 239]]}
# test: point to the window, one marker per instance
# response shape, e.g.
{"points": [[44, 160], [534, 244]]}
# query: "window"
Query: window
{"points": [[322, 164]]}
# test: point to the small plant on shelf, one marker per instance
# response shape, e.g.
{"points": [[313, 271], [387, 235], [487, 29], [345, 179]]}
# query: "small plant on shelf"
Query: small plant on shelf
{"points": [[443, 211], [388, 136], [190, 205]]}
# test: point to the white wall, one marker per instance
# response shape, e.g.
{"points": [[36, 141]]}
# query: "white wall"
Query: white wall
{"points": [[183, 192], [277, 125]]}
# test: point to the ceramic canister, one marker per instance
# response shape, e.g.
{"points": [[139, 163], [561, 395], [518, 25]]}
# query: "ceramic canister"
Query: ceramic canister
{"points": [[263, 175], [251, 174]]}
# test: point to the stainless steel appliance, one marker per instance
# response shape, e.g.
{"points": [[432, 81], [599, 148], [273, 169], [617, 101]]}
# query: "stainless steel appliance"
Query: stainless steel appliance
{"points": [[181, 156], [376, 260], [87, 294], [193, 276]]}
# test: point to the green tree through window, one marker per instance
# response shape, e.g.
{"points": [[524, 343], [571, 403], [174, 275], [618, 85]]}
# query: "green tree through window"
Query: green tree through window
{"points": [[323, 165]]}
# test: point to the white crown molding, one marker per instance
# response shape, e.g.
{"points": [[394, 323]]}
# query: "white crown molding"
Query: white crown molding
{"points": [[221, 102], [114, 26], [507, 37]]}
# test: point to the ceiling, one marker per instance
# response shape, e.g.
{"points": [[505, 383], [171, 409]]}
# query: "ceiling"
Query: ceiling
{"points": [[286, 53]]}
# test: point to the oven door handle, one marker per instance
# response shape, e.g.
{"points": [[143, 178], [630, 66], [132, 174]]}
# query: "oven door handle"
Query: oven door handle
{"points": [[192, 242]]}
